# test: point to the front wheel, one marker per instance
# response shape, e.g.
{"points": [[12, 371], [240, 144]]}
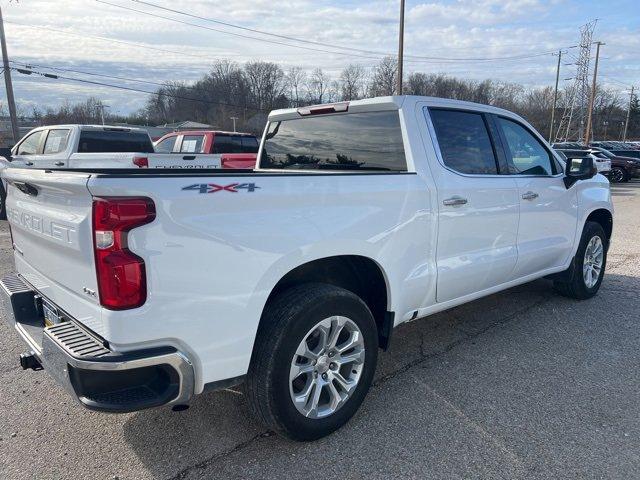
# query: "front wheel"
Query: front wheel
{"points": [[313, 361], [588, 265], [618, 175]]}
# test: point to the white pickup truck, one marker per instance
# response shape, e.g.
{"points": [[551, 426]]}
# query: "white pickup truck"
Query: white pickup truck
{"points": [[145, 289], [99, 146]]}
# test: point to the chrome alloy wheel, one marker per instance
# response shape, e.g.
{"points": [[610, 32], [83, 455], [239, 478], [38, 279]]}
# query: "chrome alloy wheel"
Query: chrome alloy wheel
{"points": [[617, 175], [593, 259], [326, 367]]}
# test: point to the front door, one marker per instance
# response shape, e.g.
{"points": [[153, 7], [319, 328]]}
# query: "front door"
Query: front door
{"points": [[478, 209], [548, 210]]}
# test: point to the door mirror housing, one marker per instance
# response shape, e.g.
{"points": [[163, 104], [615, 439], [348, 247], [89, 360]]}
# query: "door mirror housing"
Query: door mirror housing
{"points": [[579, 169]]}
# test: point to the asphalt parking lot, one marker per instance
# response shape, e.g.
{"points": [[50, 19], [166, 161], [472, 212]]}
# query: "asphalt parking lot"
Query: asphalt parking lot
{"points": [[522, 384]]}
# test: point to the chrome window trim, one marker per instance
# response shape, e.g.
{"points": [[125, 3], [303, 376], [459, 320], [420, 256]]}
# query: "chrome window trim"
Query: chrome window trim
{"points": [[436, 145]]}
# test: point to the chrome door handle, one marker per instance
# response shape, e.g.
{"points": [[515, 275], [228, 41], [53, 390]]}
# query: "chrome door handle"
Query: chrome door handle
{"points": [[529, 196], [28, 163], [59, 164], [455, 200]]}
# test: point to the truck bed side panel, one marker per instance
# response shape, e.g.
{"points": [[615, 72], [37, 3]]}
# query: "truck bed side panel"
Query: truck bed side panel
{"points": [[219, 245]]}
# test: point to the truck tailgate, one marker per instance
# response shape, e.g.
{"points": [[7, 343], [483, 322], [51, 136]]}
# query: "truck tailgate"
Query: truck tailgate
{"points": [[50, 217]]}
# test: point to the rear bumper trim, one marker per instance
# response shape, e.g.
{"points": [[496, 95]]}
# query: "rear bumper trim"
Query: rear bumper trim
{"points": [[85, 366]]}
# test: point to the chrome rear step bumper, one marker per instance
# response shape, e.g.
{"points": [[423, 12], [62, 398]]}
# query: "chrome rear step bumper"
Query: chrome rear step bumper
{"points": [[87, 368]]}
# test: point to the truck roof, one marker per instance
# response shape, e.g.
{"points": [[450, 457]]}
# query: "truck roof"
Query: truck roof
{"points": [[95, 127], [391, 103], [215, 132]]}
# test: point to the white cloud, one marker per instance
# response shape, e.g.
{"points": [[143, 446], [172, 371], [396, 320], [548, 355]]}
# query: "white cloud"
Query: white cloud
{"points": [[453, 29]]}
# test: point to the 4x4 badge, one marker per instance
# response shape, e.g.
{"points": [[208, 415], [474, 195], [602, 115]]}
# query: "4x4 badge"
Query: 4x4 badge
{"points": [[213, 188]]}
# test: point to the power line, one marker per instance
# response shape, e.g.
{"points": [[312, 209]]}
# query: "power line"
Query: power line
{"points": [[93, 74], [110, 40], [132, 89], [378, 54], [275, 42], [295, 39]]}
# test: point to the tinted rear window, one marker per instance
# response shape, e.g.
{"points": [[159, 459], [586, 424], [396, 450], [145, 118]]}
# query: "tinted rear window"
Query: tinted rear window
{"points": [[109, 141], [464, 141], [355, 141], [234, 144]]}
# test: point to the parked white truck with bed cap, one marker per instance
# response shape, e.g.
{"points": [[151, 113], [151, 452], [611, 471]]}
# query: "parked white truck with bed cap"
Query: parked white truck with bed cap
{"points": [[144, 288]]}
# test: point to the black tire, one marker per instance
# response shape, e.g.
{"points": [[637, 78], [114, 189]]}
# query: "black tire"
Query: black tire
{"points": [[3, 202], [284, 324], [618, 175], [576, 286]]}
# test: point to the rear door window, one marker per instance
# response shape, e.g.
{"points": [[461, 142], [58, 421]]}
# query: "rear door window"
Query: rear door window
{"points": [[30, 144], [111, 141], [353, 141], [464, 141], [192, 144], [56, 141]]}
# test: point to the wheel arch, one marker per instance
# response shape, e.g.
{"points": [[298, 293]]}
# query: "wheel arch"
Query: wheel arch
{"points": [[604, 217], [360, 275]]}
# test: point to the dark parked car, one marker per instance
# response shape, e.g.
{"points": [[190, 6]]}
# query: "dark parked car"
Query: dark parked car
{"points": [[622, 168]]}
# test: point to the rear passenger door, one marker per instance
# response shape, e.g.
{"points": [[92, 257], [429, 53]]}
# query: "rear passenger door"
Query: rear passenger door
{"points": [[477, 206], [548, 210], [54, 151]]}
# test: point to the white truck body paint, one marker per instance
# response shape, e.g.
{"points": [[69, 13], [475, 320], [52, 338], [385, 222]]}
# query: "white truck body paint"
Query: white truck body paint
{"points": [[212, 259]]}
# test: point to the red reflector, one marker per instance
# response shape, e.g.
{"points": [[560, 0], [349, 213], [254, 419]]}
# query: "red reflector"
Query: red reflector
{"points": [[322, 109], [121, 275], [141, 162]]}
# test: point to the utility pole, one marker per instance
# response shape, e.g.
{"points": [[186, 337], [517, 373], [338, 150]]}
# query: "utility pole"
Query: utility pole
{"points": [[555, 97], [8, 84], [234, 122], [587, 132], [102, 107], [626, 123], [400, 48]]}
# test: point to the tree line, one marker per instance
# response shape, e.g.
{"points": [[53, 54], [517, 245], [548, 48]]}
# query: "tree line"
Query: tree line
{"points": [[249, 91]]}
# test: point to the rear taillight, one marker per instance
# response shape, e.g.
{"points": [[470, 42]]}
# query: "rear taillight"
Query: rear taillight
{"points": [[122, 281], [141, 162]]}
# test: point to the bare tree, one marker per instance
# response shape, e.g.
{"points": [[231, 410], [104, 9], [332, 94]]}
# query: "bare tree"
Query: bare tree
{"points": [[318, 86], [352, 82], [266, 83], [295, 80], [384, 79]]}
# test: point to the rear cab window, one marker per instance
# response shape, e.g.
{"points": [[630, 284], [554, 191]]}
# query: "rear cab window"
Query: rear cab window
{"points": [[351, 141], [112, 141], [226, 143]]}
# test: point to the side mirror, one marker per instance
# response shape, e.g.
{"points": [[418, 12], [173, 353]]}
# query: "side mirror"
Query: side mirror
{"points": [[579, 169]]}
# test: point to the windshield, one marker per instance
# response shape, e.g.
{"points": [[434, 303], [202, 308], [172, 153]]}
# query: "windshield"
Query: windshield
{"points": [[604, 152], [356, 141]]}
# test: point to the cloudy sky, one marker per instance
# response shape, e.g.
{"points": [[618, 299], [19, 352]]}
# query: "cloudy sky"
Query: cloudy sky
{"points": [[138, 45]]}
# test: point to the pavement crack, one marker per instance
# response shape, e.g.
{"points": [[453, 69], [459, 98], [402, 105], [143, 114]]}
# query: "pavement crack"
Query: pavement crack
{"points": [[182, 474]]}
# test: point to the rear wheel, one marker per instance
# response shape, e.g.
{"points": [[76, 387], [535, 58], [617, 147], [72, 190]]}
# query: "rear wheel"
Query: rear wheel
{"points": [[588, 265], [313, 361]]}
